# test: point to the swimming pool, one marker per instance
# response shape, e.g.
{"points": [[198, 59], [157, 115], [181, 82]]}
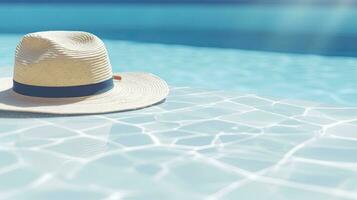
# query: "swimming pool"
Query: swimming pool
{"points": [[246, 120], [212, 52]]}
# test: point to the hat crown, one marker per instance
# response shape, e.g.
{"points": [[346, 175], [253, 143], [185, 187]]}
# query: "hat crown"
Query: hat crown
{"points": [[60, 59]]}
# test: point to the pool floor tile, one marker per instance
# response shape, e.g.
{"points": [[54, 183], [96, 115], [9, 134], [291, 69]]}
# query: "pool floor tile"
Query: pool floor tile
{"points": [[198, 145]]}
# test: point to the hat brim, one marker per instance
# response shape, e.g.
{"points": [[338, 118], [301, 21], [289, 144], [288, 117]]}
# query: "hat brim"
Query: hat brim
{"points": [[133, 91]]}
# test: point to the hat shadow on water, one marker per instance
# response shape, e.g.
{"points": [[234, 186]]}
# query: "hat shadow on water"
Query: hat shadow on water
{"points": [[7, 98], [38, 101]]}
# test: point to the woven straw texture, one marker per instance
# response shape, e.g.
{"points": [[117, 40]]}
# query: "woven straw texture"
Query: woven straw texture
{"points": [[63, 58]]}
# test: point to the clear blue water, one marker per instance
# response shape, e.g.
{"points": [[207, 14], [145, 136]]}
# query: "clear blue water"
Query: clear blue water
{"points": [[200, 143], [330, 80], [275, 51]]}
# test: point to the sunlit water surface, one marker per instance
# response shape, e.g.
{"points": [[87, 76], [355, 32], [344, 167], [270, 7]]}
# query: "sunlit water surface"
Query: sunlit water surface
{"points": [[200, 143], [325, 79]]}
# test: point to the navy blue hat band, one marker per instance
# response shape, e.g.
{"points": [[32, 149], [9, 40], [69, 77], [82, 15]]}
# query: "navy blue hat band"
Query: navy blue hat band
{"points": [[67, 91]]}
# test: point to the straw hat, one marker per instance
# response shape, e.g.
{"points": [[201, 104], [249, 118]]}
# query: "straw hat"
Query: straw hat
{"points": [[65, 72]]}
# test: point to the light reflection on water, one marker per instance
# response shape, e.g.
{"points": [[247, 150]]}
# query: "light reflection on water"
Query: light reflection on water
{"points": [[324, 79], [310, 77], [197, 53]]}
